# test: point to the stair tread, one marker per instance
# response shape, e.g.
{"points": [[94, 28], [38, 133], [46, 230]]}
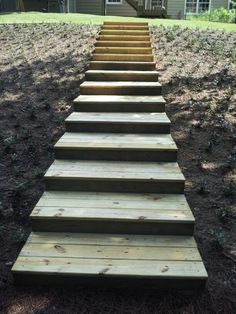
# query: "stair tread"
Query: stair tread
{"points": [[111, 255], [119, 117], [115, 170], [113, 206], [117, 141], [121, 72], [120, 99], [120, 84]]}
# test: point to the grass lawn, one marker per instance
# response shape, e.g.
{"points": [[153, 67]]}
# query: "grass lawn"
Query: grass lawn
{"points": [[37, 17]]}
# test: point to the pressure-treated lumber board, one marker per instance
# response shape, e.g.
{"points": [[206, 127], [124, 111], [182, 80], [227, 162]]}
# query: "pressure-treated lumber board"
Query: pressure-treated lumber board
{"points": [[123, 38], [119, 103], [109, 146], [112, 212], [120, 88], [115, 176], [124, 32], [124, 23], [122, 44], [122, 57], [119, 122], [123, 50], [126, 27], [122, 66], [80, 256], [111, 75]]}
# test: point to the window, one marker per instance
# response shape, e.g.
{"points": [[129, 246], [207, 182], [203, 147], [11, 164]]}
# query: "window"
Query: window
{"points": [[114, 1], [197, 6]]}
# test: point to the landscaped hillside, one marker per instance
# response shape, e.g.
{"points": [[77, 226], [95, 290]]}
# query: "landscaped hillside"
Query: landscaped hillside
{"points": [[42, 66]]}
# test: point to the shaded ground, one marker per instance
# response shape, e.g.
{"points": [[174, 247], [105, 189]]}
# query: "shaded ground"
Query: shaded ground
{"points": [[41, 68]]}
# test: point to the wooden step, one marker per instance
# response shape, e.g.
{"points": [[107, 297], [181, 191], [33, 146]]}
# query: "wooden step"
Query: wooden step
{"points": [[123, 50], [120, 88], [118, 146], [115, 176], [125, 27], [122, 57], [124, 32], [126, 23], [119, 103], [118, 122], [162, 262], [91, 212], [120, 43], [123, 38], [109, 75], [122, 66]]}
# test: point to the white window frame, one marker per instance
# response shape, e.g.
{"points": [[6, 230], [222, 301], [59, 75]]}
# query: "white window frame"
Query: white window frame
{"points": [[197, 8], [110, 2]]}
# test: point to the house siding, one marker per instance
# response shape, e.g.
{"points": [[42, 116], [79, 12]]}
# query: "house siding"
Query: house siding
{"points": [[90, 7], [123, 9], [175, 9]]}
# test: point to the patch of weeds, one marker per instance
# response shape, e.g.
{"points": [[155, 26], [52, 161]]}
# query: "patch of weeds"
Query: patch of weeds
{"points": [[224, 214], [20, 235], [209, 146], [204, 188], [215, 138], [231, 160]]}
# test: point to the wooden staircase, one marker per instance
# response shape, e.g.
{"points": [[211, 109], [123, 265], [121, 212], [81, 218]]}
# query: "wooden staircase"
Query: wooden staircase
{"points": [[114, 211], [149, 8]]}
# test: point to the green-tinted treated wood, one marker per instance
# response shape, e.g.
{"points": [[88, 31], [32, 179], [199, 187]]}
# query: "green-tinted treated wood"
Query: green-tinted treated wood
{"points": [[119, 103], [120, 66], [122, 57], [111, 212], [98, 256], [118, 122], [120, 88], [109, 75], [122, 50], [123, 38], [120, 43], [123, 23], [124, 32], [109, 146], [126, 27], [110, 176]]}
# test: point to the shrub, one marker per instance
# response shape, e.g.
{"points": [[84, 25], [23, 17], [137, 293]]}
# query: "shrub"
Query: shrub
{"points": [[217, 15]]}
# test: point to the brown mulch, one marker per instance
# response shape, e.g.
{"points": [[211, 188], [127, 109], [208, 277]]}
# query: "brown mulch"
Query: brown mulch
{"points": [[41, 69]]}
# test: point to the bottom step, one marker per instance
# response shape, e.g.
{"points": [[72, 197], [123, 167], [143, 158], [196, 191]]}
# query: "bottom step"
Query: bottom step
{"points": [[158, 261]]}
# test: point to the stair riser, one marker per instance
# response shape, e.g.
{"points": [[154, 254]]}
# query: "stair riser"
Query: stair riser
{"points": [[123, 38], [127, 27], [103, 43], [142, 77], [118, 90], [123, 50], [113, 155], [118, 107], [121, 227], [118, 127], [122, 186], [126, 23], [124, 57], [112, 281], [121, 66], [124, 33]]}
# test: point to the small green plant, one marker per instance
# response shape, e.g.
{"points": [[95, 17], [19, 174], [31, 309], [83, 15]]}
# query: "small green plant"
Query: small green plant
{"points": [[217, 15]]}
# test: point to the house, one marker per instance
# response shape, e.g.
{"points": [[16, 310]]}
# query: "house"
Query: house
{"points": [[176, 9]]}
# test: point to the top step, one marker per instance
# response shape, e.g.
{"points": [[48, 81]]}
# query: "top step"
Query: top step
{"points": [[125, 27], [126, 23]]}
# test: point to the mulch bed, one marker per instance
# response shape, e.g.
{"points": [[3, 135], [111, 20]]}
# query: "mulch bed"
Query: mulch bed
{"points": [[41, 69]]}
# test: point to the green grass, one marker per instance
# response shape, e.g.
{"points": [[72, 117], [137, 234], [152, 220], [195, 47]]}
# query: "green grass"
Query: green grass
{"points": [[36, 17]]}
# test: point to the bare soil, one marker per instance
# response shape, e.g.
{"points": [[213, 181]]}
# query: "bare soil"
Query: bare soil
{"points": [[41, 69]]}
